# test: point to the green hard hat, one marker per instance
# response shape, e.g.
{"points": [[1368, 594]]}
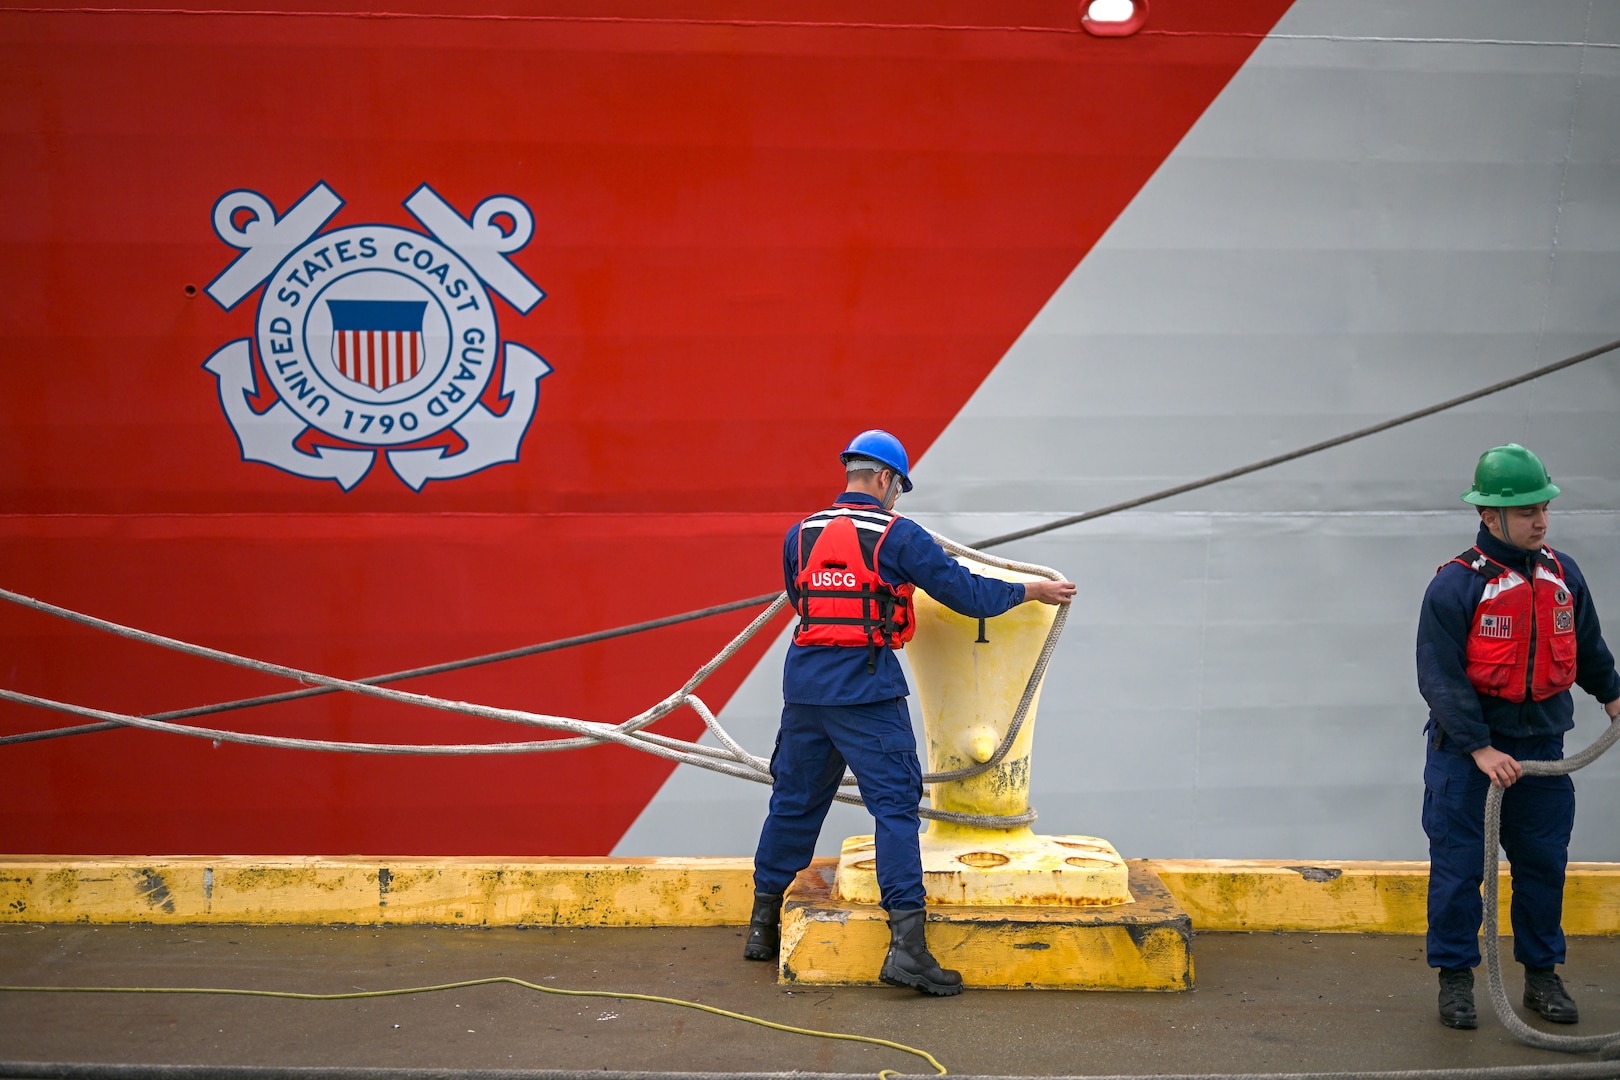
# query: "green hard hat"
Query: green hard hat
{"points": [[1510, 476]]}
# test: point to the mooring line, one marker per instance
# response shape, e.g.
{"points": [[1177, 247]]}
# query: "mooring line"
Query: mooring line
{"points": [[413, 673], [989, 542], [732, 758], [1304, 451]]}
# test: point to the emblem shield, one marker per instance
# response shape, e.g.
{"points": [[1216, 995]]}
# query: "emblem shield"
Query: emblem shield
{"points": [[377, 343]]}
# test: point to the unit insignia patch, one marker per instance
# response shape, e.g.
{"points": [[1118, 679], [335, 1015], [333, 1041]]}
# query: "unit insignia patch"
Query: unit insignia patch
{"points": [[1563, 620], [376, 339], [1561, 596]]}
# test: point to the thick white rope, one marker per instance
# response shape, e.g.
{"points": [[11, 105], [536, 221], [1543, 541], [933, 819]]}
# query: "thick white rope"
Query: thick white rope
{"points": [[1608, 1044], [730, 758]]}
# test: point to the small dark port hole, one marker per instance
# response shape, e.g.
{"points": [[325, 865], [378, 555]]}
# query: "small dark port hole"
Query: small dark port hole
{"points": [[191, 290]]}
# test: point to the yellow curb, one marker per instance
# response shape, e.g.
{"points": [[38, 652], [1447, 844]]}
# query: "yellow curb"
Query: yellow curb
{"points": [[1218, 894], [442, 891], [1355, 897]]}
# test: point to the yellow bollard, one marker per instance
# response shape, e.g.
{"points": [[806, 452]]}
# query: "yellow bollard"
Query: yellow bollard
{"points": [[1007, 908], [969, 684]]}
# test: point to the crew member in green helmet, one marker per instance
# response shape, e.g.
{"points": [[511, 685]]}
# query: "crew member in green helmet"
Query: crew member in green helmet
{"points": [[1507, 628]]}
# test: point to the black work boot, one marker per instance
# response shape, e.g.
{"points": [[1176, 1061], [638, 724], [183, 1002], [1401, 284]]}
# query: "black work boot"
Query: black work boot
{"points": [[1544, 994], [764, 927], [909, 962], [1457, 998]]}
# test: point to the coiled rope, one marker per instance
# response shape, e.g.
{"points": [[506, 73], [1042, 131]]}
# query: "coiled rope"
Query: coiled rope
{"points": [[730, 758], [1607, 1045]]}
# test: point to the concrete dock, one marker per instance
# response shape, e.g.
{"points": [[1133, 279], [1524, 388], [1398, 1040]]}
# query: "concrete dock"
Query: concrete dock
{"points": [[1264, 1002]]}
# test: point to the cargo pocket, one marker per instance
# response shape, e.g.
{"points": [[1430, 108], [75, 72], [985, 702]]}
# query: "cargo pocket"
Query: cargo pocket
{"points": [[892, 742], [1561, 669], [1490, 664], [1440, 812], [900, 747]]}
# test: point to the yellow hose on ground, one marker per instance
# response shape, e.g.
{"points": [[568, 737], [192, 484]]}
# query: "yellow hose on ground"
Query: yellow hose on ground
{"points": [[294, 995]]}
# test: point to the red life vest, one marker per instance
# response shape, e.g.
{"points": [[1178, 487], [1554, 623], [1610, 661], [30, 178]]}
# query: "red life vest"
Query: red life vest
{"points": [[1522, 641], [843, 599]]}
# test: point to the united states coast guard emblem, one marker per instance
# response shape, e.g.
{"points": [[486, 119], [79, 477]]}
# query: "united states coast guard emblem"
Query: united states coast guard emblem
{"points": [[376, 339]]}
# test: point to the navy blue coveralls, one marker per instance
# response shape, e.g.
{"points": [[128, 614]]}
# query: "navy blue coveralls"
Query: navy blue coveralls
{"points": [[1538, 812], [834, 711]]}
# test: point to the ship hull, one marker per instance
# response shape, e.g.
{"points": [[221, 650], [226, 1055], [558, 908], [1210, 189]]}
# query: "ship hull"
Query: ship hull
{"points": [[1065, 269]]}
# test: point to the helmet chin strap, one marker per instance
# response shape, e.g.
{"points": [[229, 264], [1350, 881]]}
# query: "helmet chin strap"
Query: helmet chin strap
{"points": [[1502, 523], [893, 491], [1504, 529]]}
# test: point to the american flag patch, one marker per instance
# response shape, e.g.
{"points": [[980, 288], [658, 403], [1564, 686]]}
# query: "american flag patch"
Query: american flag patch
{"points": [[1498, 626]]}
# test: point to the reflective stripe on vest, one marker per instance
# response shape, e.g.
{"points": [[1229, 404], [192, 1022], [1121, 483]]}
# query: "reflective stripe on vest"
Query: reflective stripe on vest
{"points": [[843, 599], [1522, 640]]}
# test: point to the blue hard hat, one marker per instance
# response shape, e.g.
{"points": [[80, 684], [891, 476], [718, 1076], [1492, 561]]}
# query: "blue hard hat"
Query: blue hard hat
{"points": [[880, 446]]}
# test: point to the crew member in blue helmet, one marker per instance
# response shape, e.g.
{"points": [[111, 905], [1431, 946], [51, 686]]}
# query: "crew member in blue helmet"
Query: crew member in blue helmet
{"points": [[850, 572], [1507, 628]]}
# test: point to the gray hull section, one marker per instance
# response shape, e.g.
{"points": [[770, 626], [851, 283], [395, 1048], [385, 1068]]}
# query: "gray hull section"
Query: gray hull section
{"points": [[1359, 226]]}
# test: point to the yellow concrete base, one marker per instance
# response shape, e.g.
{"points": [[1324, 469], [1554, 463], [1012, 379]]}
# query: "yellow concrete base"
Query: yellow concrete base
{"points": [[1143, 945], [1013, 867]]}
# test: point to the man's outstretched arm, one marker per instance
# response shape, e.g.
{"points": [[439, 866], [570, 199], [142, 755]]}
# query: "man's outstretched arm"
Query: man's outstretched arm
{"points": [[911, 554]]}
